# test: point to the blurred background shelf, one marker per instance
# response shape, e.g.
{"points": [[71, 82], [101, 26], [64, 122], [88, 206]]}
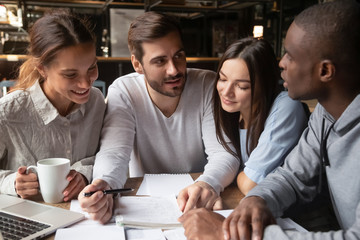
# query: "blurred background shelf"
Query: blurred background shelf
{"points": [[209, 26]]}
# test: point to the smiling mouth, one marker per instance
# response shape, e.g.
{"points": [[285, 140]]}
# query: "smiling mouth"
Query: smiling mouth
{"points": [[81, 92], [227, 102]]}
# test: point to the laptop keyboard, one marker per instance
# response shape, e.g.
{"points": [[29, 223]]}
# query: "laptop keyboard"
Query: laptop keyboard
{"points": [[14, 227]]}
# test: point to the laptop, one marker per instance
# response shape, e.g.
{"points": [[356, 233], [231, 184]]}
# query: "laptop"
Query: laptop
{"points": [[25, 219]]}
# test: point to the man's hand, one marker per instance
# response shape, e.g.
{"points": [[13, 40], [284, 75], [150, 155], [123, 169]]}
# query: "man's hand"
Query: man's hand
{"points": [[248, 220], [26, 185], [77, 182], [99, 205], [198, 195], [202, 224]]}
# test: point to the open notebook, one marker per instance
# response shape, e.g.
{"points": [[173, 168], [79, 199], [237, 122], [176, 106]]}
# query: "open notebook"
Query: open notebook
{"points": [[25, 219], [147, 212]]}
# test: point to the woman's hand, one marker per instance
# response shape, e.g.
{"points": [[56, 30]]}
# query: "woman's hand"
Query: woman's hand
{"points": [[198, 195], [26, 185], [77, 182]]}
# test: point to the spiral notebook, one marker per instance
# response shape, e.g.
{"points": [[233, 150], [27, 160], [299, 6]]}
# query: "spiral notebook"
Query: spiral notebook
{"points": [[164, 184]]}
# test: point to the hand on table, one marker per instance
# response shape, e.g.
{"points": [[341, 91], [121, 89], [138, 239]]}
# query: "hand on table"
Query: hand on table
{"points": [[99, 205], [203, 224], [198, 195], [77, 182], [248, 220], [26, 185]]}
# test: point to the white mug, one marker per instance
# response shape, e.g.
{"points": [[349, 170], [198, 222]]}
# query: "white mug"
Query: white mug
{"points": [[52, 173]]}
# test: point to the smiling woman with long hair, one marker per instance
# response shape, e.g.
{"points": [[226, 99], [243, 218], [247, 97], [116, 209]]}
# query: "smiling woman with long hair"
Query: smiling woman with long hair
{"points": [[53, 111], [255, 120]]}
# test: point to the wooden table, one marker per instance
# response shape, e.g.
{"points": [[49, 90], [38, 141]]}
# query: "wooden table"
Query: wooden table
{"points": [[230, 196]]}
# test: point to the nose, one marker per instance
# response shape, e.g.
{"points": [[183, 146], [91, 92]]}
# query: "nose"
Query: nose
{"points": [[171, 68], [228, 89], [86, 81], [282, 63]]}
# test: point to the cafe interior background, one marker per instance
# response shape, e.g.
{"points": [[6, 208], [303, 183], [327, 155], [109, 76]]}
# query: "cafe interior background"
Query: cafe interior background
{"points": [[209, 26]]}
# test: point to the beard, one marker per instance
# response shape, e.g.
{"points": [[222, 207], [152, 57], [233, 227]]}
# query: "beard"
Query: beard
{"points": [[161, 87]]}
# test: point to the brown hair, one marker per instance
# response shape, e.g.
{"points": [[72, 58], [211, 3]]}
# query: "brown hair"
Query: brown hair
{"points": [[147, 27], [264, 78], [53, 32]]}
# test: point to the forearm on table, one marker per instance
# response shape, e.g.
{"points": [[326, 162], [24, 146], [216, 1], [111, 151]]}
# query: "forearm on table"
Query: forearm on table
{"points": [[244, 183]]}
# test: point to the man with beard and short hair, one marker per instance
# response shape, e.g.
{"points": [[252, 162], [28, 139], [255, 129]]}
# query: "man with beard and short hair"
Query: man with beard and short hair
{"points": [[160, 118]]}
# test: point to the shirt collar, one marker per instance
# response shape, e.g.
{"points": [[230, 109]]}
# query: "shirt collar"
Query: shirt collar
{"points": [[44, 107]]}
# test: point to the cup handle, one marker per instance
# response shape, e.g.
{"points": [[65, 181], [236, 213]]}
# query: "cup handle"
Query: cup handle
{"points": [[32, 168]]}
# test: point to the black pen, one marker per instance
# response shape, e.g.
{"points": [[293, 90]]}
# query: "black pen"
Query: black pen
{"points": [[111, 191]]}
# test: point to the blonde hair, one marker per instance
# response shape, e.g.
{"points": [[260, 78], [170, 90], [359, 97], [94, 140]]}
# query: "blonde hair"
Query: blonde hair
{"points": [[28, 75]]}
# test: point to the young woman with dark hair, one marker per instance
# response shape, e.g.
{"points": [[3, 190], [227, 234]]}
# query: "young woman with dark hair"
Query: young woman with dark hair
{"points": [[255, 120]]}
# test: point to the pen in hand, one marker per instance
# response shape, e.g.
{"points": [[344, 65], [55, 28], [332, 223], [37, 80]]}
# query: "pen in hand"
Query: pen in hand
{"points": [[111, 191]]}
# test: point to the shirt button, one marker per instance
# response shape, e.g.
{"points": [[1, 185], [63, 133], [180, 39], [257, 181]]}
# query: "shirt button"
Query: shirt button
{"points": [[68, 151], [66, 124]]}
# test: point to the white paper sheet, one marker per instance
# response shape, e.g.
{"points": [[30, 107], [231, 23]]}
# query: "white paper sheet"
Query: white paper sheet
{"points": [[143, 189], [164, 184], [108, 232], [175, 234], [144, 234], [89, 229]]}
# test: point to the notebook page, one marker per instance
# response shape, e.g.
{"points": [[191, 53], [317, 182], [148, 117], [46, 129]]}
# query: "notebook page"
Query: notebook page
{"points": [[147, 212], [165, 184]]}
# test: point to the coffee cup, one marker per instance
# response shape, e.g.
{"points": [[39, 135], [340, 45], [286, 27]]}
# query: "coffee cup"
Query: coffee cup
{"points": [[52, 173]]}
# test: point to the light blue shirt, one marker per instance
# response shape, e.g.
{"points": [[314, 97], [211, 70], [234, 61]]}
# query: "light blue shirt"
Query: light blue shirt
{"points": [[282, 130]]}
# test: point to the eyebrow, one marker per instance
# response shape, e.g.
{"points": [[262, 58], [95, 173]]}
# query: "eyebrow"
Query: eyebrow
{"points": [[236, 80], [286, 51], [71, 70], [164, 56]]}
